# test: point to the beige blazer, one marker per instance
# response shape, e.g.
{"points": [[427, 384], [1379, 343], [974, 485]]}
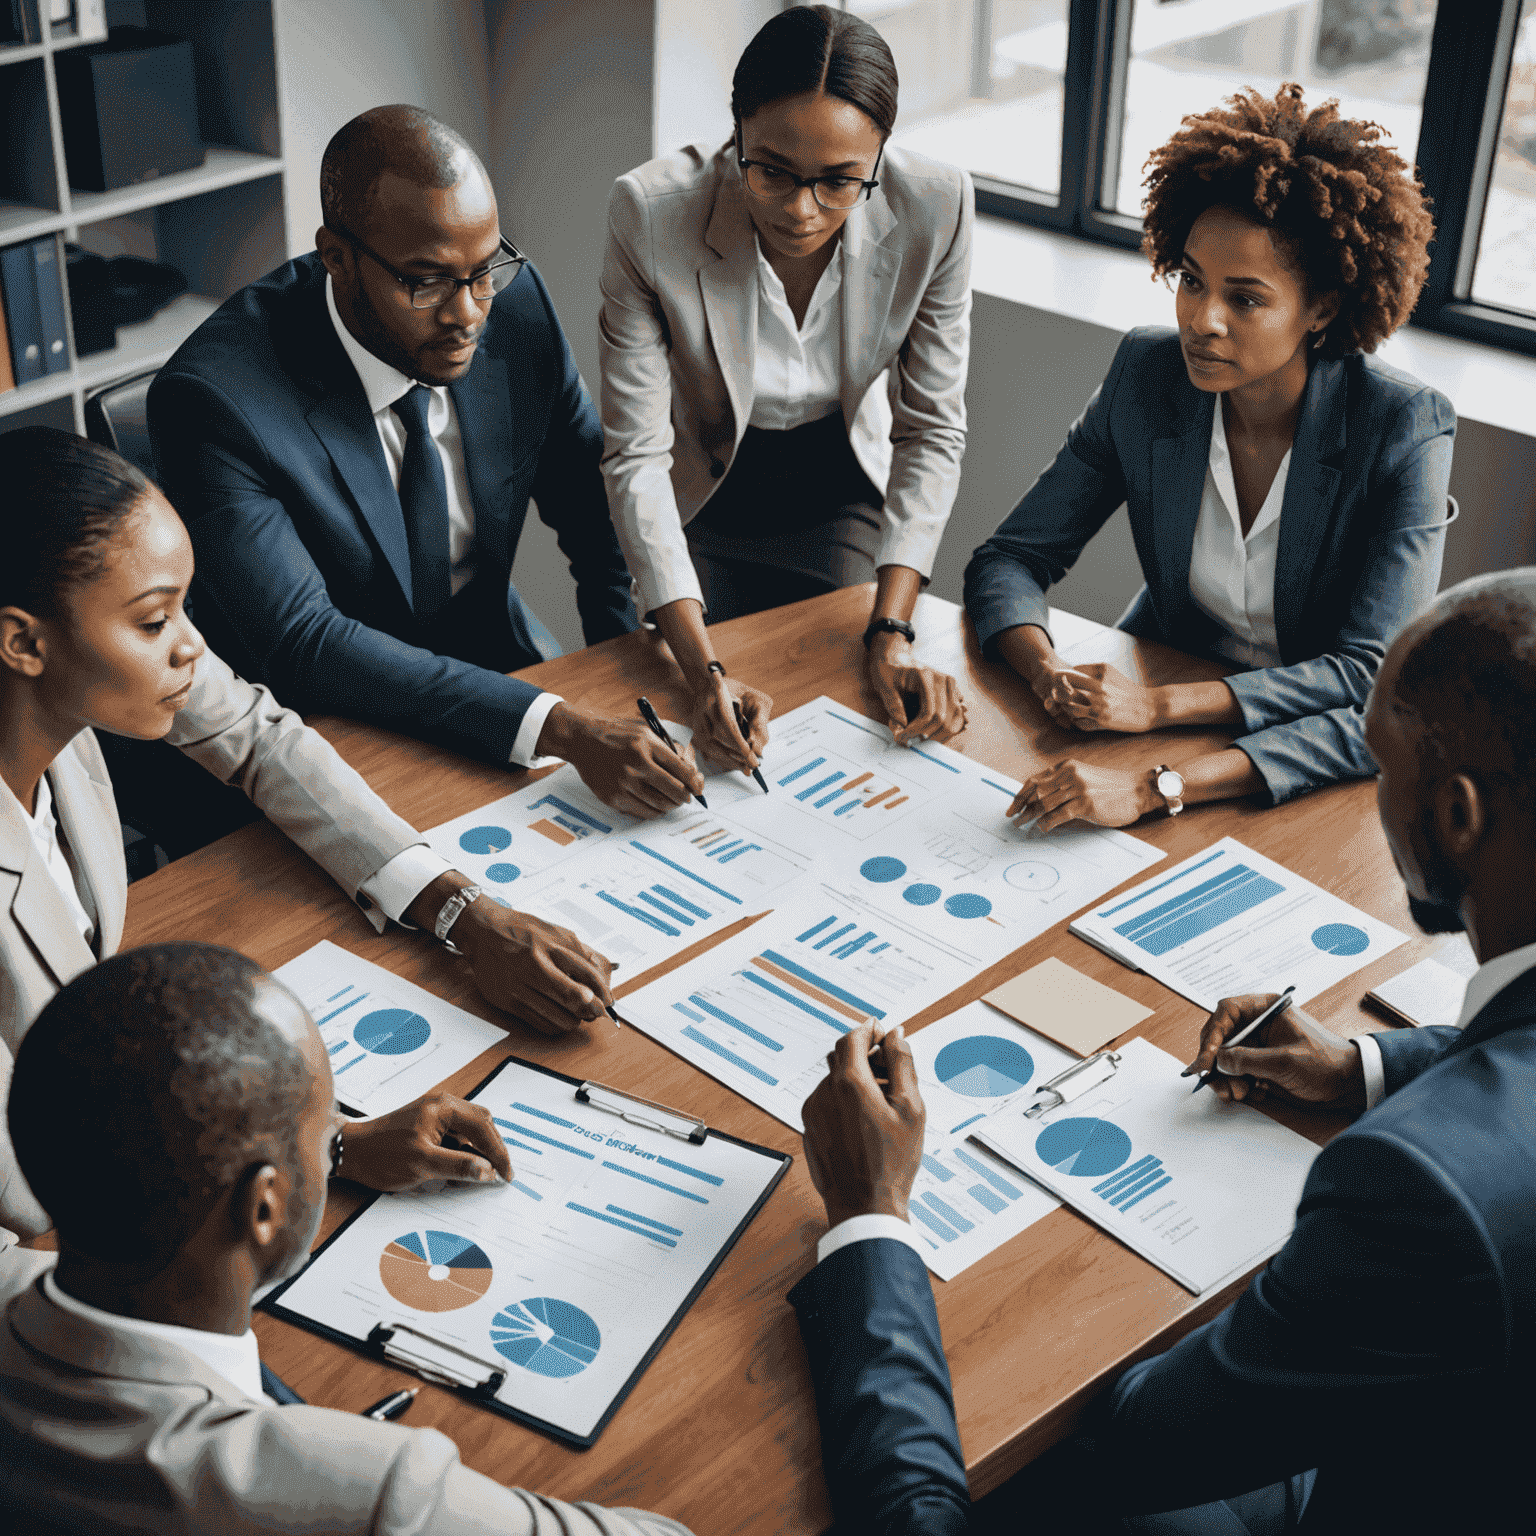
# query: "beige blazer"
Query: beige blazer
{"points": [[235, 730], [678, 334], [106, 1430]]}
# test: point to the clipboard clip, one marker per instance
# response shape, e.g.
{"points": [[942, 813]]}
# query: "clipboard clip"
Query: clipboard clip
{"points": [[436, 1360], [670, 1122], [1075, 1081]]}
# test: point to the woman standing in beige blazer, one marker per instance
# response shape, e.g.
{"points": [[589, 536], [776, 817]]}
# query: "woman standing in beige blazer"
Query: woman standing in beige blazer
{"points": [[785, 328], [93, 634]]}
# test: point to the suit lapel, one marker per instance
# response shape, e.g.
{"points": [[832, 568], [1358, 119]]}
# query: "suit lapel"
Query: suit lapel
{"points": [[724, 283], [1179, 463], [1516, 1004], [486, 432], [87, 812], [1311, 485], [870, 270]]}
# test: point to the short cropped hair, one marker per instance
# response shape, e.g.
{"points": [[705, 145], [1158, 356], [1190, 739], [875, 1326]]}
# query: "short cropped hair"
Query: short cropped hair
{"points": [[1470, 677], [817, 48], [145, 1089], [65, 499], [1345, 210], [407, 140]]}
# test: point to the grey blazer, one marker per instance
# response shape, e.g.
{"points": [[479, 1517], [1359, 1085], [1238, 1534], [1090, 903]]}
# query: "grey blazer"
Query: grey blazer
{"points": [[238, 732], [678, 332], [1362, 531], [105, 1431]]}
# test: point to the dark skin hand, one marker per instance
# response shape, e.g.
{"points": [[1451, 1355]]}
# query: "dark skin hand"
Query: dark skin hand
{"points": [[864, 1138], [622, 761], [538, 971], [437, 1137], [1292, 1059]]}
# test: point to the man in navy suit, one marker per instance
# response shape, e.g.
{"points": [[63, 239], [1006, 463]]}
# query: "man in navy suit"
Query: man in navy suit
{"points": [[353, 442], [1376, 1376]]}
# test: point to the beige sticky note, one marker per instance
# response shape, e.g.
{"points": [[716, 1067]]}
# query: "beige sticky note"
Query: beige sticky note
{"points": [[1072, 1009]]}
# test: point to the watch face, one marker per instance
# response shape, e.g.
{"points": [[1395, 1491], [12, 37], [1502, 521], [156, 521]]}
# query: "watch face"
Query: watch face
{"points": [[1170, 785]]}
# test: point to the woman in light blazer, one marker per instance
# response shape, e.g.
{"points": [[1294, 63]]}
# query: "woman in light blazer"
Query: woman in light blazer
{"points": [[93, 634], [785, 327], [1287, 494]]}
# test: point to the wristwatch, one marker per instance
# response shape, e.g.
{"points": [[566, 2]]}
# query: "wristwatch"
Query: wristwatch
{"points": [[889, 627], [1169, 783], [451, 911]]}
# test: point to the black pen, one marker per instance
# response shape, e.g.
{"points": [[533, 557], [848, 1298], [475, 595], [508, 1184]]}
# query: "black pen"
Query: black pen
{"points": [[741, 726], [391, 1407], [1279, 1006], [650, 717]]}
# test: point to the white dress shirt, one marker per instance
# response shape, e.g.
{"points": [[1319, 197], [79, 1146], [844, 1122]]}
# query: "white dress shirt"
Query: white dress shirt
{"points": [[858, 1228], [797, 370], [235, 1357], [384, 385], [43, 827], [1232, 577], [1487, 981]]}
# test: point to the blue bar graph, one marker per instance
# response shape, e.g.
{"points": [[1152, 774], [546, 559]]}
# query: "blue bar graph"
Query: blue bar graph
{"points": [[996, 1180], [1150, 1189], [680, 901], [971, 1121], [810, 933], [349, 1065], [662, 907], [522, 1188], [858, 726], [852, 805], [995, 785], [984, 1196], [937, 1169], [1144, 921], [693, 1173], [661, 1226], [549, 1141], [614, 1221], [352, 1003], [828, 799], [835, 935], [932, 1222], [1127, 1195], [575, 828], [826, 986], [1123, 1176], [815, 789], [720, 848], [804, 768], [543, 1114], [570, 810], [854, 945], [878, 947], [735, 1023], [635, 912], [736, 1061], [698, 1018], [932, 759], [340, 1045], [745, 848], [645, 1178], [1142, 895], [948, 1212], [1236, 898], [840, 1025], [334, 995], [688, 873], [522, 1146]]}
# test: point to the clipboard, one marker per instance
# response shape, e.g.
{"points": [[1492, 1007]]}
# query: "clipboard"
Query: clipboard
{"points": [[411, 1342]]}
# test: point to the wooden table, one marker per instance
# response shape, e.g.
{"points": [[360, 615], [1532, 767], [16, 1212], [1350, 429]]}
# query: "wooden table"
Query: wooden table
{"points": [[721, 1431]]}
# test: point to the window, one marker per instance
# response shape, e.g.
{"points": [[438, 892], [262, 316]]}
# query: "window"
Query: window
{"points": [[1054, 105]]}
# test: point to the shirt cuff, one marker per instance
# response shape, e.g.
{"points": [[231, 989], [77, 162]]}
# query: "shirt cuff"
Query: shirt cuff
{"points": [[403, 879], [857, 1228], [1374, 1069], [526, 742]]}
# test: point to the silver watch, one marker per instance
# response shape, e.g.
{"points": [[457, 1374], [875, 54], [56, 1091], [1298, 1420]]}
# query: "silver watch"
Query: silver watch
{"points": [[1170, 785], [451, 911]]}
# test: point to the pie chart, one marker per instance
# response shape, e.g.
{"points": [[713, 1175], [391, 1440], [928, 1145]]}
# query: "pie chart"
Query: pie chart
{"points": [[1085, 1148], [435, 1271], [484, 840], [392, 1031], [968, 904], [505, 873], [1340, 939], [984, 1066], [921, 894], [882, 869], [546, 1336]]}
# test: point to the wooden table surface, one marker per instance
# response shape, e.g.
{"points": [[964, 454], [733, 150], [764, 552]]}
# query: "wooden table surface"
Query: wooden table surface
{"points": [[721, 1431]]}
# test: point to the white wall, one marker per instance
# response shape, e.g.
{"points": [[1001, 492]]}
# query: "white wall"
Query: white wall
{"points": [[336, 58], [697, 45]]}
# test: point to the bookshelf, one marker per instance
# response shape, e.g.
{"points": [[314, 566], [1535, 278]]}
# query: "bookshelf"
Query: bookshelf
{"points": [[221, 224]]}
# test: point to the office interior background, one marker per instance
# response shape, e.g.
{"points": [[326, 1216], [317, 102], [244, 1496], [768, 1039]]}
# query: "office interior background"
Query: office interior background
{"points": [[1052, 104]]}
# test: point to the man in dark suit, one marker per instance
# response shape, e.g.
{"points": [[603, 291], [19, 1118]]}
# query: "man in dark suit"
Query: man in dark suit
{"points": [[353, 442], [1376, 1376]]}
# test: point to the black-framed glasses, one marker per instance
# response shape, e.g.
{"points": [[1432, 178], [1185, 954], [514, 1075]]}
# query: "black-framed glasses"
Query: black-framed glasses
{"points": [[336, 1154], [773, 184], [435, 291]]}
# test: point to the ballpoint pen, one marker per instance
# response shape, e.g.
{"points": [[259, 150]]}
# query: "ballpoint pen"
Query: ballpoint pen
{"points": [[393, 1406], [1279, 1006], [651, 718], [741, 726]]}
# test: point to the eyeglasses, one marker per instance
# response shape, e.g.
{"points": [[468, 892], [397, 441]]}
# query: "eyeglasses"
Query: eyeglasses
{"points": [[336, 1154], [433, 292], [773, 184]]}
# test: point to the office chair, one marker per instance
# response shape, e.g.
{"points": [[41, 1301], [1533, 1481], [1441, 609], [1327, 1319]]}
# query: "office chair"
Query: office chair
{"points": [[116, 416]]}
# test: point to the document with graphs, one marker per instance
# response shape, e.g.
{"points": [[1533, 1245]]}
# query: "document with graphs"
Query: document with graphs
{"points": [[546, 1298]]}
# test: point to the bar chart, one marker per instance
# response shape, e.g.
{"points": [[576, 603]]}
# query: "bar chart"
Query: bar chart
{"points": [[835, 787]]}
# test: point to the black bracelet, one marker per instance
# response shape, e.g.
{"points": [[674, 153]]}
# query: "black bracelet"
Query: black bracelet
{"points": [[889, 627]]}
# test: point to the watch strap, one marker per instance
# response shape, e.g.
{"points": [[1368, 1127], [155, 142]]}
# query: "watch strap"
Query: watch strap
{"points": [[452, 910], [889, 627]]}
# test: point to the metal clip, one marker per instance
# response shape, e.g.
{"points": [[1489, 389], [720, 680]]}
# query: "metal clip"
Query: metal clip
{"points": [[1072, 1083], [684, 1127], [436, 1360]]}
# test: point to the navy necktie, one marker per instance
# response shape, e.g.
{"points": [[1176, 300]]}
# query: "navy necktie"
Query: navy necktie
{"points": [[424, 501]]}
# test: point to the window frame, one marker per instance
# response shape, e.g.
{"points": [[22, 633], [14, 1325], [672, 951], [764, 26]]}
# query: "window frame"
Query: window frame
{"points": [[1471, 50]]}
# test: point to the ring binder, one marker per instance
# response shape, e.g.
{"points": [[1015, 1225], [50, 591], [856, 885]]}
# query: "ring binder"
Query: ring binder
{"points": [[685, 1127], [1074, 1082], [436, 1360]]}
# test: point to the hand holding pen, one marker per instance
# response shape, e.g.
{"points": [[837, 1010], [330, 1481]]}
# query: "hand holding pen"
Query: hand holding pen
{"points": [[652, 719]]}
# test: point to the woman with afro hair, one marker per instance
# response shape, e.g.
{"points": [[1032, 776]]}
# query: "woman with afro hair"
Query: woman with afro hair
{"points": [[1287, 492]]}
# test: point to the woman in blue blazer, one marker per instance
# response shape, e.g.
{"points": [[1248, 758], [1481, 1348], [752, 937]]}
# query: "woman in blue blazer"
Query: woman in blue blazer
{"points": [[1287, 493]]}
